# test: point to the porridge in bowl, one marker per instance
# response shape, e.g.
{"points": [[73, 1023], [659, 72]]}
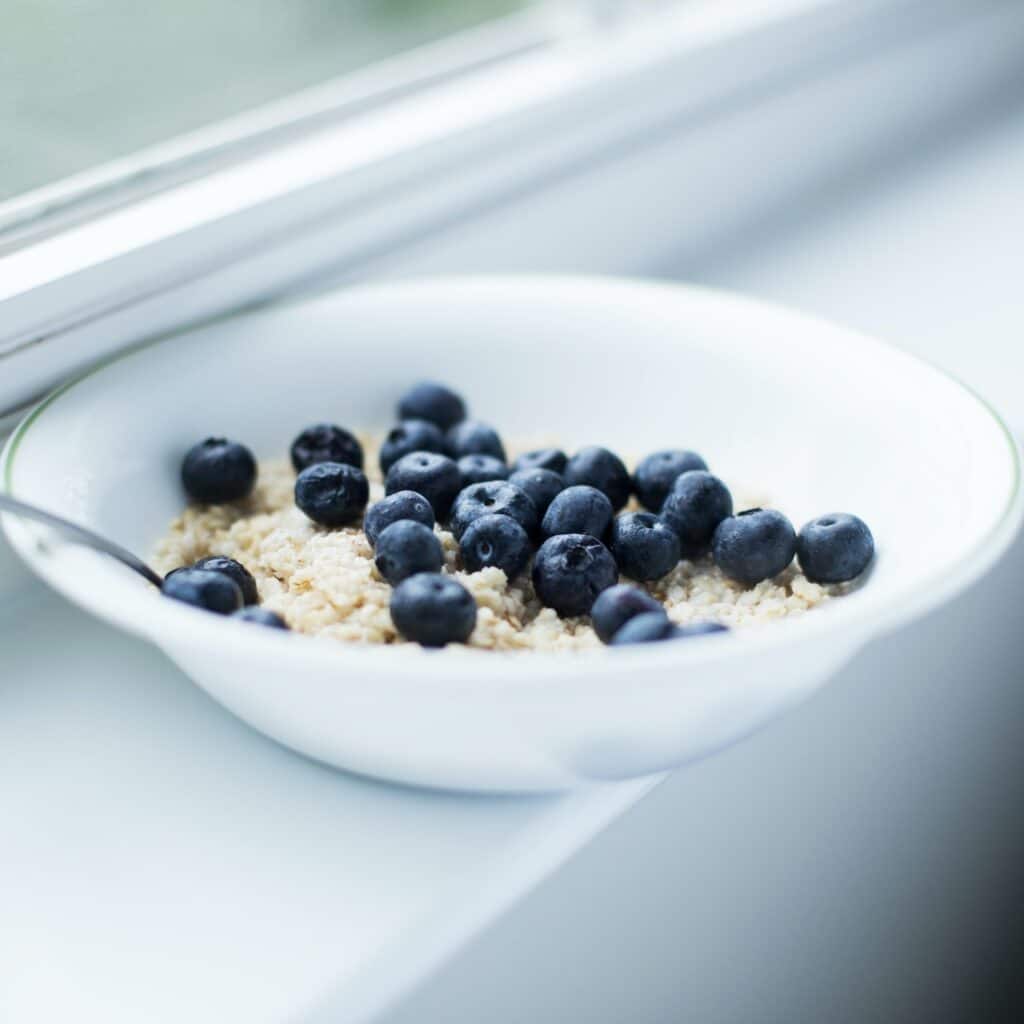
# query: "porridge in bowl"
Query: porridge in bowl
{"points": [[435, 534]]}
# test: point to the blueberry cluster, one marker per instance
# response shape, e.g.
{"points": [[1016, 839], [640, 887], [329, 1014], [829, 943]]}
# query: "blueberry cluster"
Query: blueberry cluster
{"points": [[562, 513], [330, 488], [221, 585]]}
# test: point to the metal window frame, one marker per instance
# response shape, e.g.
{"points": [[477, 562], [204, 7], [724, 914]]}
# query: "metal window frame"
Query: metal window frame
{"points": [[379, 178], [52, 208]]}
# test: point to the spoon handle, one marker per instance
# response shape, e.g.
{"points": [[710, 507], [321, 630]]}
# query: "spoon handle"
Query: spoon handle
{"points": [[80, 535]]}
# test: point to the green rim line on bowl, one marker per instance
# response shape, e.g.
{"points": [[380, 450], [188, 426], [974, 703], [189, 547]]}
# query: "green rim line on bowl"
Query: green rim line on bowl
{"points": [[39, 408]]}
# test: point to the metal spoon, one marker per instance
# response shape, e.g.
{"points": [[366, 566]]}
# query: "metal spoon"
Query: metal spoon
{"points": [[80, 535]]}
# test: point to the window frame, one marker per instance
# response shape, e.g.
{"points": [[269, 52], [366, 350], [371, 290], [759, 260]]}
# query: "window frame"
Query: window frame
{"points": [[330, 193], [58, 205]]}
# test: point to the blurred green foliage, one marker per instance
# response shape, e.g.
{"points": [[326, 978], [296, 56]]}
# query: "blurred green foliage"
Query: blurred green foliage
{"points": [[85, 81]]}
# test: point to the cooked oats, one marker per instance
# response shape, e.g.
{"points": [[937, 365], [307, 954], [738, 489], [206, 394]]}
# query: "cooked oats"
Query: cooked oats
{"points": [[323, 581]]}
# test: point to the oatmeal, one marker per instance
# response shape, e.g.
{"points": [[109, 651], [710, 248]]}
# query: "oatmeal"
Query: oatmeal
{"points": [[324, 582]]}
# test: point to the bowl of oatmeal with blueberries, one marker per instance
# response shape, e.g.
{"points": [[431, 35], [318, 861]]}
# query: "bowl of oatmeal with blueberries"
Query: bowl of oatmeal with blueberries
{"points": [[515, 534]]}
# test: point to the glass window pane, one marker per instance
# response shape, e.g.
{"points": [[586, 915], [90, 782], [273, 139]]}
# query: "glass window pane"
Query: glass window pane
{"points": [[86, 81]]}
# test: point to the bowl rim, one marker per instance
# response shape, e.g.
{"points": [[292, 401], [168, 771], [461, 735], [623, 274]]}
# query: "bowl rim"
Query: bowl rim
{"points": [[854, 620]]}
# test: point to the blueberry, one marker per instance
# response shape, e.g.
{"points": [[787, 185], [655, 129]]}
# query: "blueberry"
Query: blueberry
{"points": [[471, 437], [570, 570], [216, 470], [434, 476], [600, 468], [237, 572], [406, 548], [433, 610], [579, 509], [653, 626], [834, 548], [411, 436], [428, 400], [394, 508], [180, 569], [701, 628], [493, 497], [495, 540], [617, 605], [475, 469], [540, 484], [542, 458], [211, 591], [261, 616], [332, 493], [754, 545], [643, 546], [697, 503], [655, 475], [646, 628], [324, 442]]}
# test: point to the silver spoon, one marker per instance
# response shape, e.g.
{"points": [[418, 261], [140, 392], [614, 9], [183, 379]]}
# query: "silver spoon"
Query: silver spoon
{"points": [[80, 535]]}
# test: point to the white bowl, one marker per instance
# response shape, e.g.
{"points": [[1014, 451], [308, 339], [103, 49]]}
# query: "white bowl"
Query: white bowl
{"points": [[823, 419]]}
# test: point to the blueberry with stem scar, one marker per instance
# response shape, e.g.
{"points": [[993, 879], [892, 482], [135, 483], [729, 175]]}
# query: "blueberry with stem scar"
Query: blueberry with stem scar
{"points": [[493, 497], [754, 545], [644, 547], [570, 570], [495, 541], [834, 548]]}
